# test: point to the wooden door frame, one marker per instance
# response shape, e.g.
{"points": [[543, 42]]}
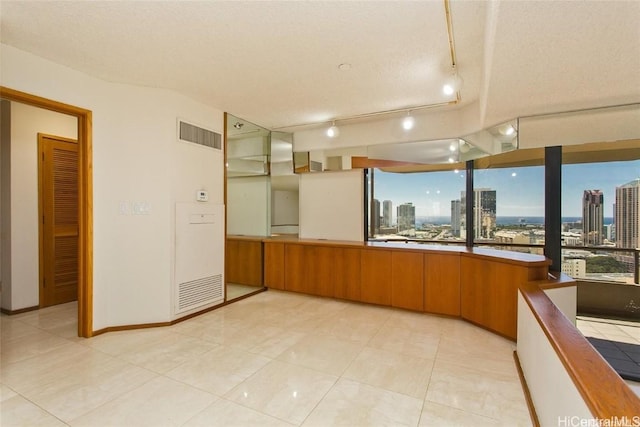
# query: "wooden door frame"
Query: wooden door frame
{"points": [[85, 198]]}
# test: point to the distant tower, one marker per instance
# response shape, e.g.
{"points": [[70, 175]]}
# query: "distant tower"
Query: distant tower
{"points": [[387, 209], [592, 217], [463, 214], [375, 216], [484, 213], [627, 215], [406, 217], [456, 217]]}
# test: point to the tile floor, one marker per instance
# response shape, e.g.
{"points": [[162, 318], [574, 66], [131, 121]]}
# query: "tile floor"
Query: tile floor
{"points": [[614, 330], [611, 329], [275, 359], [235, 290]]}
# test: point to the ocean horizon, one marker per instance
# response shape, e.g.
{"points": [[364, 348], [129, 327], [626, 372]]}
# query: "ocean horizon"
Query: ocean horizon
{"points": [[505, 220]]}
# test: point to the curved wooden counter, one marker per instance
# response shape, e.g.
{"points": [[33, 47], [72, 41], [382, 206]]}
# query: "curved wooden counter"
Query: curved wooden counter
{"points": [[479, 285]]}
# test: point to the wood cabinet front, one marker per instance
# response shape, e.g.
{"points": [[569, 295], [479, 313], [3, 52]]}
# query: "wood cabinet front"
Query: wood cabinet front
{"points": [[347, 274], [244, 261], [407, 283], [490, 293], [320, 274], [479, 286], [442, 284], [294, 268], [274, 265], [375, 276]]}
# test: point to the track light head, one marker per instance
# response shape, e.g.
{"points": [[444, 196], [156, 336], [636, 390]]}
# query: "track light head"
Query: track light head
{"points": [[333, 131]]}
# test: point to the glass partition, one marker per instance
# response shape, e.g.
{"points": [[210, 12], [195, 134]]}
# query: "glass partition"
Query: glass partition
{"points": [[248, 186], [262, 199]]}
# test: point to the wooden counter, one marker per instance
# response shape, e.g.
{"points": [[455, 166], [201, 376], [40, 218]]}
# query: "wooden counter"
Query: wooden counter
{"points": [[243, 260], [479, 285]]}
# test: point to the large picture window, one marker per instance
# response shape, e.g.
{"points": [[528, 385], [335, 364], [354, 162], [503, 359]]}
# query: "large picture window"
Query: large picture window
{"points": [[509, 207], [601, 224], [416, 206], [600, 213]]}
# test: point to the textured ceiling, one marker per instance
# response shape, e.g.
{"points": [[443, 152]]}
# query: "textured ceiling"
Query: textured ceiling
{"points": [[276, 63]]}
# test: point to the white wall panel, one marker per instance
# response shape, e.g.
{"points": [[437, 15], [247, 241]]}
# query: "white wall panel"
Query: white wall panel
{"points": [[332, 205]]}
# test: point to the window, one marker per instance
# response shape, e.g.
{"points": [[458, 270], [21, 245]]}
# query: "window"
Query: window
{"points": [[509, 208], [601, 226], [416, 206]]}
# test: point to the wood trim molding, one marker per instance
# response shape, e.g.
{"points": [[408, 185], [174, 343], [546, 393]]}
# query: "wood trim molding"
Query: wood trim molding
{"points": [[527, 394], [21, 310], [604, 392], [557, 280], [176, 321], [85, 193], [359, 162]]}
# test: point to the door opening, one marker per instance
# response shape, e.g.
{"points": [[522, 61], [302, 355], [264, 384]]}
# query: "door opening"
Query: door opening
{"points": [[58, 214], [85, 199]]}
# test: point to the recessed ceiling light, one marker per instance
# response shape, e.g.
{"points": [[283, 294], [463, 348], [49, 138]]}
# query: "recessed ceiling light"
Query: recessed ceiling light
{"points": [[344, 66]]}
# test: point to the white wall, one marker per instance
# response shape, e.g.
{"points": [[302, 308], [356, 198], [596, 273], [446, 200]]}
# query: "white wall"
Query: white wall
{"points": [[136, 159], [553, 392], [566, 299], [284, 207], [598, 125], [284, 211], [332, 205], [26, 123], [248, 206]]}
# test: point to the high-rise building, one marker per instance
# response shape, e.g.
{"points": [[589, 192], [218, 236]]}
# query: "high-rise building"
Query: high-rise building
{"points": [[406, 217], [375, 216], [610, 232], [592, 217], [455, 217], [387, 209], [574, 267], [627, 215], [484, 213]]}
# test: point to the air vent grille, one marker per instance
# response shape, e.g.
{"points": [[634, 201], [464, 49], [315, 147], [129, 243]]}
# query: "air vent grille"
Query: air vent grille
{"points": [[197, 135], [199, 292]]}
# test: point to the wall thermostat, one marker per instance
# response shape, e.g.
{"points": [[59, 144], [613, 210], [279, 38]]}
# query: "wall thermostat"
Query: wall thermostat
{"points": [[202, 196]]}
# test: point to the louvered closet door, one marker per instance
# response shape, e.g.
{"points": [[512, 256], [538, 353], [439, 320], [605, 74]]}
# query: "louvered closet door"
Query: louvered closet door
{"points": [[59, 208]]}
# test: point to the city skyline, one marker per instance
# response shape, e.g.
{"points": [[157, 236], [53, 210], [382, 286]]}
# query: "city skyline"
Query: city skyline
{"points": [[431, 193]]}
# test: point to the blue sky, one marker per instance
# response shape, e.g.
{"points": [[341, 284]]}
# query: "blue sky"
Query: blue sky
{"points": [[519, 191]]}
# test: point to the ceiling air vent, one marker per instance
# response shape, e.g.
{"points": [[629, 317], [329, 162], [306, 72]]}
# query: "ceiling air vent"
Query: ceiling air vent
{"points": [[197, 135]]}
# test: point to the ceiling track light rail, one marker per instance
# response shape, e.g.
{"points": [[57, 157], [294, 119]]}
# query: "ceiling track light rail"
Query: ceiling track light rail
{"points": [[450, 87]]}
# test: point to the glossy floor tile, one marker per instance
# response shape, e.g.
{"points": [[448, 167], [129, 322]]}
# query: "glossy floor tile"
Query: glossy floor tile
{"points": [[273, 359]]}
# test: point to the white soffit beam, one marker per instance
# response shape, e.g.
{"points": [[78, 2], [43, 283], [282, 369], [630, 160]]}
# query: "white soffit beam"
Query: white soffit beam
{"points": [[600, 125]]}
